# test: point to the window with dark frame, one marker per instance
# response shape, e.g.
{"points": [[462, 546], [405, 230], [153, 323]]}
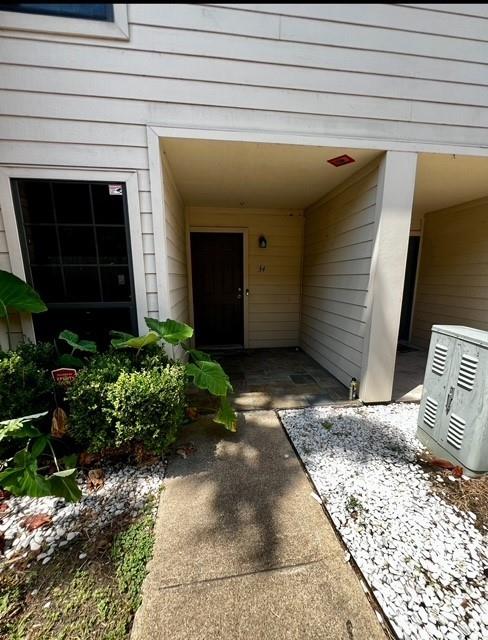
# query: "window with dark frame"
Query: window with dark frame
{"points": [[103, 12], [76, 249]]}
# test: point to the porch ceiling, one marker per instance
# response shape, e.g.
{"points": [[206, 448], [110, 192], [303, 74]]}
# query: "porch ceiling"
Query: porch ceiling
{"points": [[448, 180], [233, 174]]}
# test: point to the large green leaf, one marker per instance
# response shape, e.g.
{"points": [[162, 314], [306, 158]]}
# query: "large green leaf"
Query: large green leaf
{"points": [[38, 445], [209, 376], [69, 361], [20, 427], [170, 331], [22, 479], [199, 356], [17, 295], [125, 340], [226, 415], [73, 339], [63, 485]]}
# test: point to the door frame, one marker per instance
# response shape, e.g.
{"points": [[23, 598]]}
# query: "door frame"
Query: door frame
{"points": [[244, 232], [419, 234], [413, 234]]}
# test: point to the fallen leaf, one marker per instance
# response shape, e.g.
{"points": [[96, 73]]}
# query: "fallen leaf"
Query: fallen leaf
{"points": [[31, 523], [458, 472], [4, 494], [86, 459], [4, 507], [440, 462], [185, 450], [59, 423], [192, 413], [96, 479]]}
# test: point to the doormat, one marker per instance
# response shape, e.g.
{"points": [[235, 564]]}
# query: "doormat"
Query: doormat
{"points": [[302, 378]]}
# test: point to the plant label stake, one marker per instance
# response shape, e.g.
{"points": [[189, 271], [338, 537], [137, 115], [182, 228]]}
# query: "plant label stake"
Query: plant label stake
{"points": [[63, 376]]}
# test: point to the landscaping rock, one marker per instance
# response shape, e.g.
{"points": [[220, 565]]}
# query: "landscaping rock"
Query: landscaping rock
{"points": [[424, 558], [124, 491]]}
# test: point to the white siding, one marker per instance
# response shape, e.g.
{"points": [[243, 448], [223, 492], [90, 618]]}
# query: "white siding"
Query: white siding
{"points": [[339, 234], [409, 74], [452, 284], [15, 328], [274, 293], [175, 247]]}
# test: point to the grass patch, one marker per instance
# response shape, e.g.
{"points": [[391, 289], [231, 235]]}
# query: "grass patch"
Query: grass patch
{"points": [[327, 425], [80, 599]]}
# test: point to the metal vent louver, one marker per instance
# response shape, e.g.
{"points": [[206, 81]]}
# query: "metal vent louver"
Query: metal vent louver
{"points": [[430, 412], [467, 372], [439, 359], [456, 431]]}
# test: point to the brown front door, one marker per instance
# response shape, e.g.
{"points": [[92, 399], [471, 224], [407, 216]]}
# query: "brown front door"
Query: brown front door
{"points": [[218, 294]]}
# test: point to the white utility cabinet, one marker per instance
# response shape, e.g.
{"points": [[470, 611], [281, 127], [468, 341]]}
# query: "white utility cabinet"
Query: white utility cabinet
{"points": [[453, 417]]}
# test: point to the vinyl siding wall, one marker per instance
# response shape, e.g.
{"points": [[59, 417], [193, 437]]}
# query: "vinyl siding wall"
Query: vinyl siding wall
{"points": [[452, 285], [339, 235], [411, 74], [175, 247], [15, 327], [274, 294]]}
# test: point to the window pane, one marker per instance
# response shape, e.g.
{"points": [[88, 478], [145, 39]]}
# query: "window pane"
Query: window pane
{"points": [[88, 11], [35, 200], [42, 244], [90, 324], [108, 209], [48, 282], [72, 201], [77, 245], [112, 245], [115, 284], [82, 284]]}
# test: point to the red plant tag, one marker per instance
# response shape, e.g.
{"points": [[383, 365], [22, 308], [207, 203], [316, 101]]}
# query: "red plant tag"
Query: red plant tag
{"points": [[63, 376]]}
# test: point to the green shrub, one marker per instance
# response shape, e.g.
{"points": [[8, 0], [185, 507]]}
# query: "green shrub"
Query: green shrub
{"points": [[87, 396], [26, 385], [150, 359], [147, 406], [43, 354]]}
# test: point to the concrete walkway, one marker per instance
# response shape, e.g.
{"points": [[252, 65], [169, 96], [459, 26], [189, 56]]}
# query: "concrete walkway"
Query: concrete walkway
{"points": [[242, 549]]}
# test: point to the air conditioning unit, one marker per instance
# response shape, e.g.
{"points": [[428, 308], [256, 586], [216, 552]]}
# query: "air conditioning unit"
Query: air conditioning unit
{"points": [[453, 417]]}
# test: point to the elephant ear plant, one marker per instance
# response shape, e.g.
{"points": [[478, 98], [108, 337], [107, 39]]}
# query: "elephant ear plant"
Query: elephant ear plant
{"points": [[17, 295], [76, 344], [27, 472], [204, 372]]}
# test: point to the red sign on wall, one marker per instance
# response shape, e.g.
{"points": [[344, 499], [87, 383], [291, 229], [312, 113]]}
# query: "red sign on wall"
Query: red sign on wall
{"points": [[63, 376]]}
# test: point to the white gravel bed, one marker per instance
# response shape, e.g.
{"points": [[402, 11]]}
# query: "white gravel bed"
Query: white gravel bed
{"points": [[125, 491], [423, 558]]}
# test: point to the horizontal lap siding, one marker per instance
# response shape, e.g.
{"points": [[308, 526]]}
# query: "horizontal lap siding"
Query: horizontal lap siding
{"points": [[389, 72], [452, 285], [274, 294], [15, 328], [175, 247], [338, 244], [394, 72]]}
